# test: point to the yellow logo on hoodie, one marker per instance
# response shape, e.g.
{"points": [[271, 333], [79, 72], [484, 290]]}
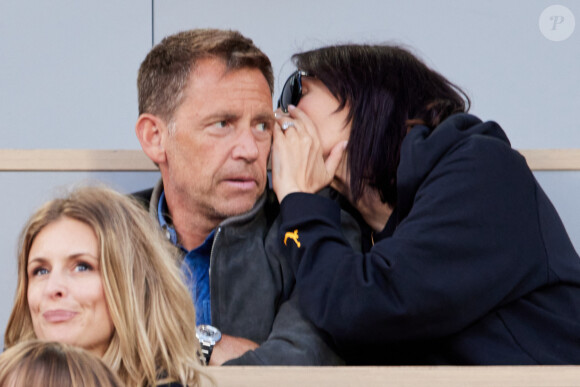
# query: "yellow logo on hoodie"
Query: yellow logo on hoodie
{"points": [[293, 236]]}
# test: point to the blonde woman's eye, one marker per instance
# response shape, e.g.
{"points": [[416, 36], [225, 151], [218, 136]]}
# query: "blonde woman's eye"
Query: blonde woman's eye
{"points": [[39, 271], [83, 267]]}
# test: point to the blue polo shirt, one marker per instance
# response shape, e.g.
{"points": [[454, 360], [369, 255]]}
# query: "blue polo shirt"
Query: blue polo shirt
{"points": [[195, 266]]}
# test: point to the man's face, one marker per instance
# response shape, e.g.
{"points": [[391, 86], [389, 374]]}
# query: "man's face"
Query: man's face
{"points": [[217, 150]]}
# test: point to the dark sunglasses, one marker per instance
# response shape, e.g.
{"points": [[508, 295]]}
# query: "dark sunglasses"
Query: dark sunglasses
{"points": [[292, 90]]}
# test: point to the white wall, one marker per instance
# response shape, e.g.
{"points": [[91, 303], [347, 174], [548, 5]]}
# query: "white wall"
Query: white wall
{"points": [[68, 72], [68, 76], [494, 49]]}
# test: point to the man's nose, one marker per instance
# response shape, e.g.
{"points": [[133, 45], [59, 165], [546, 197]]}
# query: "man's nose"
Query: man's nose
{"points": [[246, 146]]}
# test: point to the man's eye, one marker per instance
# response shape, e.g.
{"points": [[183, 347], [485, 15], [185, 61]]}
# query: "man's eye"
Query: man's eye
{"points": [[220, 124], [262, 126]]}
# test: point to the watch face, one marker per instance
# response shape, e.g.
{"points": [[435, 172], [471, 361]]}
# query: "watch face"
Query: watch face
{"points": [[208, 333]]}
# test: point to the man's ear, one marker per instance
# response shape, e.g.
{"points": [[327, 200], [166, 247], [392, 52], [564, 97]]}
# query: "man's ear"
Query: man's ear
{"points": [[151, 132]]}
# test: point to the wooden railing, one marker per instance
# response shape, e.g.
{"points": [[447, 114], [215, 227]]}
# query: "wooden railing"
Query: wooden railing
{"points": [[136, 160], [416, 376], [74, 160]]}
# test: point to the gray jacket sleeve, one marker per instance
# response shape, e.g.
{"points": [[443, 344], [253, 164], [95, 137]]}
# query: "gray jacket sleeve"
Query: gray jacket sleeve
{"points": [[293, 341]]}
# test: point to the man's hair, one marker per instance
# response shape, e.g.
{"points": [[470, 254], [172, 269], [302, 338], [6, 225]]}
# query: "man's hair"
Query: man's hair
{"points": [[50, 364], [165, 72], [387, 90], [149, 304]]}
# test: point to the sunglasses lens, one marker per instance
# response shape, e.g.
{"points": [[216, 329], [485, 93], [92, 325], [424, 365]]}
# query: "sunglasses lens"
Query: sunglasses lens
{"points": [[291, 92]]}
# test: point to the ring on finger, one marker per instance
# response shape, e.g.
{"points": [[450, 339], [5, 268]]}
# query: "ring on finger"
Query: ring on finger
{"points": [[287, 124]]}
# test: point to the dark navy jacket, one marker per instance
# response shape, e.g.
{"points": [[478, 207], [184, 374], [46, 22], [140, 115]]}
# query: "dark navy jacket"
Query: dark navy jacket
{"points": [[474, 265]]}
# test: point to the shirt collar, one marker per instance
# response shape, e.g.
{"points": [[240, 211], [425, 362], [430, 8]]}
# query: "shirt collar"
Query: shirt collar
{"points": [[168, 229], [170, 232]]}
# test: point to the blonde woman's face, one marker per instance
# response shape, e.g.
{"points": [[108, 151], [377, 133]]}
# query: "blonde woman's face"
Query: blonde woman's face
{"points": [[65, 291]]}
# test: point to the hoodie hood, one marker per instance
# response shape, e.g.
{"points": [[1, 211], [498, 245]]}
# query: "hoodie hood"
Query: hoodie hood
{"points": [[422, 149]]}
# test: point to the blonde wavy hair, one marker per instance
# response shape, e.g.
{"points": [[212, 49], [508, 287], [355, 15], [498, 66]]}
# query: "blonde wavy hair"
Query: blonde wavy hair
{"points": [[51, 364], [154, 339]]}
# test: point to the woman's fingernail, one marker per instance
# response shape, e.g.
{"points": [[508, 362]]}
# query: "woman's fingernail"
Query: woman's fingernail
{"points": [[291, 107]]}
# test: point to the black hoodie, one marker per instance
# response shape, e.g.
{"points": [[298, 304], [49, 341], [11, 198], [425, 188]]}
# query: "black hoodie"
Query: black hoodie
{"points": [[474, 265]]}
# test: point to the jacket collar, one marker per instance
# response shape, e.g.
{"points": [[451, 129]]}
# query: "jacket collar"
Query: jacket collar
{"points": [[246, 216]]}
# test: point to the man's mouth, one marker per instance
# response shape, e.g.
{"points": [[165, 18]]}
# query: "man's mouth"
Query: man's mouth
{"points": [[242, 182]]}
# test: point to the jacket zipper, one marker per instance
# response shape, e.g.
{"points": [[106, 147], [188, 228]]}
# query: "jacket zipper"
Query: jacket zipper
{"points": [[215, 238]]}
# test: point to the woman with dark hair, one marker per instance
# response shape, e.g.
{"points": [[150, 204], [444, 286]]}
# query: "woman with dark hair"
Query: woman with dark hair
{"points": [[466, 260]]}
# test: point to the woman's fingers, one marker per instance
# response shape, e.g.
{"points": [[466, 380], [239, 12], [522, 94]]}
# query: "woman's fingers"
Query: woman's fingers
{"points": [[297, 119], [299, 116], [298, 164], [284, 178]]}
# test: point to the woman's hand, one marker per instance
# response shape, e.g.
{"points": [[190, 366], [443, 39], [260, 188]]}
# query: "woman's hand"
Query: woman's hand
{"points": [[297, 161]]}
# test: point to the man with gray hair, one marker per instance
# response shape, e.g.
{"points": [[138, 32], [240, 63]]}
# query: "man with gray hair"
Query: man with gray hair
{"points": [[206, 119]]}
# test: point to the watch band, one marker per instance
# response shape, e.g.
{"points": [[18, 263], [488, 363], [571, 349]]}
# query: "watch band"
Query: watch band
{"points": [[208, 337], [206, 350]]}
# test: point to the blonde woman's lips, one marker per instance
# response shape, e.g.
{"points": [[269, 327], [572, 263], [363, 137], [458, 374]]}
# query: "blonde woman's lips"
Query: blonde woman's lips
{"points": [[59, 315]]}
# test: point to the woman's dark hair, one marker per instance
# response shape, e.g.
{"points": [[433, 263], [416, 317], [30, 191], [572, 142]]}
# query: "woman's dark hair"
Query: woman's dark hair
{"points": [[388, 90]]}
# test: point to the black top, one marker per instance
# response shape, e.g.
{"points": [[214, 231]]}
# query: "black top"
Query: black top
{"points": [[474, 266]]}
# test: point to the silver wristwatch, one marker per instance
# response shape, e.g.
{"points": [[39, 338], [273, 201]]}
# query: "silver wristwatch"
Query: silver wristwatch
{"points": [[208, 337]]}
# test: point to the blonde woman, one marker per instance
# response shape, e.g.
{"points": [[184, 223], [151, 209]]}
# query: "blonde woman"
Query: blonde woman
{"points": [[94, 272], [51, 364]]}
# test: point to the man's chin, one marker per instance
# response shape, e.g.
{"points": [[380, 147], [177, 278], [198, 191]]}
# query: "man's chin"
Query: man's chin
{"points": [[236, 206]]}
